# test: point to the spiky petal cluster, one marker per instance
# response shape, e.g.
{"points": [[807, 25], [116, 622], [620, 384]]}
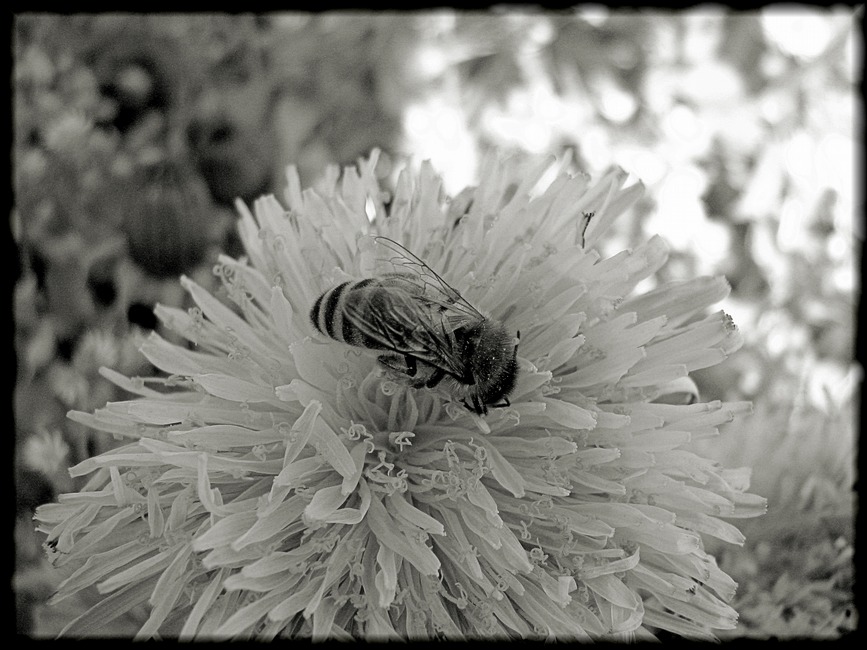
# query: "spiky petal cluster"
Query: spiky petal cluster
{"points": [[277, 483]]}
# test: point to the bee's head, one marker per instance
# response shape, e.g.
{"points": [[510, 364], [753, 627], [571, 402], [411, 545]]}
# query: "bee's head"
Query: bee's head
{"points": [[491, 353]]}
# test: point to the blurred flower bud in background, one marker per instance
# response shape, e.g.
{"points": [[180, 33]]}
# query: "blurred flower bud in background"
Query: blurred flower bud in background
{"points": [[167, 219]]}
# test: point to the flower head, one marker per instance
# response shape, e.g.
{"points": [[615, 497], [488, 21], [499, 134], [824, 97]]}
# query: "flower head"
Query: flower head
{"points": [[280, 483]]}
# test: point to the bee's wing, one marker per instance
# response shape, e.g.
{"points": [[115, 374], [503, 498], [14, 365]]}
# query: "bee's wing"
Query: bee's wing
{"points": [[402, 322], [431, 288]]}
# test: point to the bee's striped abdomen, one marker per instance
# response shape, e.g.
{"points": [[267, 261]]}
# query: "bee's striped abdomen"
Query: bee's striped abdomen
{"points": [[325, 311], [328, 314]]}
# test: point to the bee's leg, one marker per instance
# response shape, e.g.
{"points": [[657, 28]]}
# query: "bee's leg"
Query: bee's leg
{"points": [[419, 382], [505, 404], [435, 378], [393, 362], [477, 406], [405, 365]]}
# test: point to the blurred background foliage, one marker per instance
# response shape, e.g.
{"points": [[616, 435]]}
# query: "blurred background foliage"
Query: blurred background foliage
{"points": [[134, 134]]}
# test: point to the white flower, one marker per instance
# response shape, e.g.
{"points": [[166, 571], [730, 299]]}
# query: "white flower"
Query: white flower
{"points": [[278, 484]]}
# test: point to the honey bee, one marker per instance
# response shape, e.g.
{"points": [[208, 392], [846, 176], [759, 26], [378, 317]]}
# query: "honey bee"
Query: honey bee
{"points": [[427, 330]]}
